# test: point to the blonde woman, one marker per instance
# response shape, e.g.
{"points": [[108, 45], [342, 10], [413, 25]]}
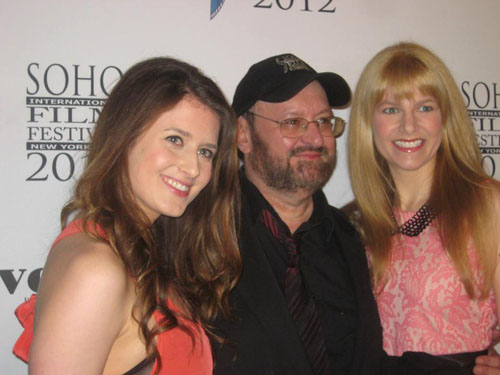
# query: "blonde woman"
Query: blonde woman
{"points": [[428, 213]]}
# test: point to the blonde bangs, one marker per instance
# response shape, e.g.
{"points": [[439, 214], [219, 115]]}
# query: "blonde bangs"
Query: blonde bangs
{"points": [[406, 72]]}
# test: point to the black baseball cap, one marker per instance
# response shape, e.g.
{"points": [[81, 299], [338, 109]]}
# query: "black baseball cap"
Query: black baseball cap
{"points": [[279, 78]]}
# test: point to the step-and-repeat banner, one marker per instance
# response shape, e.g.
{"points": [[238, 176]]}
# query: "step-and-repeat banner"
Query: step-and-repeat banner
{"points": [[60, 60]]}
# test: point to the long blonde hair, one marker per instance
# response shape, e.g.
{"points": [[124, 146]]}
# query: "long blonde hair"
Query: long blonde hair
{"points": [[461, 192]]}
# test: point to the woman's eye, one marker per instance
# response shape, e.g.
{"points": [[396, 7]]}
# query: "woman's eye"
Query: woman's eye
{"points": [[389, 110], [426, 108], [175, 139], [206, 153]]}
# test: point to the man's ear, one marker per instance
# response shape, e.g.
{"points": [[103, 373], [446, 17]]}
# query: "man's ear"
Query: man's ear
{"points": [[243, 137]]}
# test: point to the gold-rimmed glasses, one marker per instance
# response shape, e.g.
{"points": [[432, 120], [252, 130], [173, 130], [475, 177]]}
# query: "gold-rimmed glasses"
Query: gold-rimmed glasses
{"points": [[329, 126]]}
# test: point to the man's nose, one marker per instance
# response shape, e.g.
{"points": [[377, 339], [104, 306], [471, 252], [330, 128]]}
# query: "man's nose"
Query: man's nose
{"points": [[313, 135]]}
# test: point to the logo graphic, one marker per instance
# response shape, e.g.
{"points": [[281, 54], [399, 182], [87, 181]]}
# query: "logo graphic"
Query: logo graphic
{"points": [[482, 100], [63, 103], [12, 278], [215, 7], [291, 63]]}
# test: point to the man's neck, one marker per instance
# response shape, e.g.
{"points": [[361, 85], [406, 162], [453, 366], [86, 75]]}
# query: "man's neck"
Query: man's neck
{"points": [[293, 207]]}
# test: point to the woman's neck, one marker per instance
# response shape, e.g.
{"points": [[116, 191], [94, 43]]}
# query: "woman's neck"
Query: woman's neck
{"points": [[413, 189]]}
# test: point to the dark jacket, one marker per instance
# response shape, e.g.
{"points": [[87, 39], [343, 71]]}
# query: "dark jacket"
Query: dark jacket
{"points": [[261, 338]]}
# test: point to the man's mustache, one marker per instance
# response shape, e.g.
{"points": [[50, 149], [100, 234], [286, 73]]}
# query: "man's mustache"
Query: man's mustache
{"points": [[300, 149]]}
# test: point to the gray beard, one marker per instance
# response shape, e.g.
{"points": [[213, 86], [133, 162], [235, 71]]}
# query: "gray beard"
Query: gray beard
{"points": [[279, 174]]}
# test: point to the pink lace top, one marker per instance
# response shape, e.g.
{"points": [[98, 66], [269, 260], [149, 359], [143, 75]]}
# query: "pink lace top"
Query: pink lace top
{"points": [[424, 306]]}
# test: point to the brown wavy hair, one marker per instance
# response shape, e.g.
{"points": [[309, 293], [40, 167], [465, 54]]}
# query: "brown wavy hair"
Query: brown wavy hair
{"points": [[194, 256], [462, 194]]}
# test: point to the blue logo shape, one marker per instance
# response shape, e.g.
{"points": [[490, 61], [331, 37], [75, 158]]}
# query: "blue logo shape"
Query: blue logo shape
{"points": [[215, 6]]}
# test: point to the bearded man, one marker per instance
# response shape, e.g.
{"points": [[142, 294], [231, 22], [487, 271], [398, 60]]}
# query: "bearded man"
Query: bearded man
{"points": [[303, 304]]}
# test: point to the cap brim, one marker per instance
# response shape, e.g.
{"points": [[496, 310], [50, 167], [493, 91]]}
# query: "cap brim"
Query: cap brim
{"points": [[336, 88]]}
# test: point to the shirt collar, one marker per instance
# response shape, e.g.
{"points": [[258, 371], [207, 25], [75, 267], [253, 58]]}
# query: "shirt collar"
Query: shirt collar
{"points": [[253, 200], [255, 203]]}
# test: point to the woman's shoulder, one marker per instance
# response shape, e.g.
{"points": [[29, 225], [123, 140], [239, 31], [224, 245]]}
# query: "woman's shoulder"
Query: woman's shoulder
{"points": [[86, 267], [84, 301]]}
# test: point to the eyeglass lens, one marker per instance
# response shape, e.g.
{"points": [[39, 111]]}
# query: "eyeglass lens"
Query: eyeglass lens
{"points": [[332, 127]]}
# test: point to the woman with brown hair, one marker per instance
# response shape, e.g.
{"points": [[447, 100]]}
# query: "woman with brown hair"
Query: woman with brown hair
{"points": [[428, 213], [148, 251]]}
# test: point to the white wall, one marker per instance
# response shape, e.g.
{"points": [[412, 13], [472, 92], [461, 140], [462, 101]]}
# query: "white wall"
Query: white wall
{"points": [[44, 40]]}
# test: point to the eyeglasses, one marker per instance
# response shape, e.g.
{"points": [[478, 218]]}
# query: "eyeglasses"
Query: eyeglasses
{"points": [[329, 126]]}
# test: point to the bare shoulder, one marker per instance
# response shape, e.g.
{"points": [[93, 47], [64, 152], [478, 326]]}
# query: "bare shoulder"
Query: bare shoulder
{"points": [[87, 272], [84, 290], [80, 260]]}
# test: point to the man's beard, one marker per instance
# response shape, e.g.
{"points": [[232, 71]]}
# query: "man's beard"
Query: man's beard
{"points": [[279, 174]]}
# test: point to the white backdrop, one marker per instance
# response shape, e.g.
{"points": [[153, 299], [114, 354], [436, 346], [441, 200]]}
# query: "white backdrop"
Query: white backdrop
{"points": [[61, 57]]}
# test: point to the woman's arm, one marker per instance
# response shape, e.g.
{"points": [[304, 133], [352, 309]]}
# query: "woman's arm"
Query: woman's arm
{"points": [[80, 308]]}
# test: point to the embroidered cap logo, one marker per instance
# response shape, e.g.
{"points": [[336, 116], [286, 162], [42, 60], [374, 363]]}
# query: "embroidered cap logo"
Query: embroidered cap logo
{"points": [[291, 63]]}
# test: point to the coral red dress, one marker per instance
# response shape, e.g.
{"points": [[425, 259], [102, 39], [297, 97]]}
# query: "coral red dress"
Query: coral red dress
{"points": [[175, 347]]}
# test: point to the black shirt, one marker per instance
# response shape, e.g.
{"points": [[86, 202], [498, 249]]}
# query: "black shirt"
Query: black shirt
{"points": [[323, 269], [260, 336]]}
